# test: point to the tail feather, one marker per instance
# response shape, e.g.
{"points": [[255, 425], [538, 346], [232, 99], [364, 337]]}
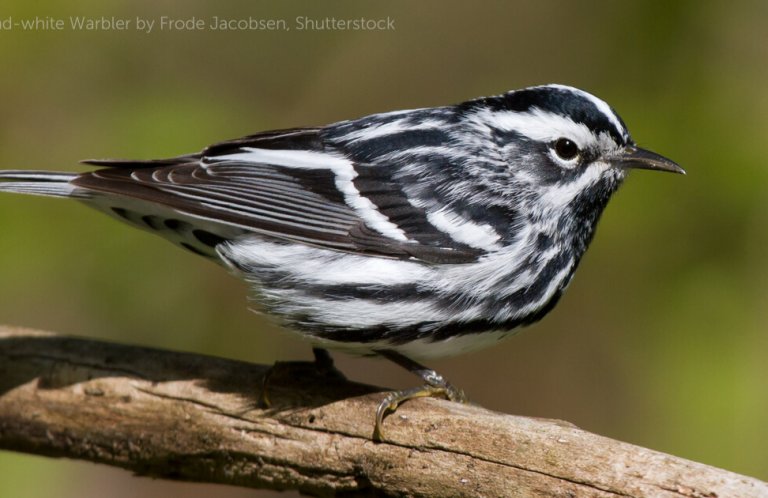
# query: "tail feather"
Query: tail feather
{"points": [[46, 183]]}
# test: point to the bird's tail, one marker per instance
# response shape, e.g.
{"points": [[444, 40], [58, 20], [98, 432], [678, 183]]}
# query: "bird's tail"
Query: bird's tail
{"points": [[45, 183]]}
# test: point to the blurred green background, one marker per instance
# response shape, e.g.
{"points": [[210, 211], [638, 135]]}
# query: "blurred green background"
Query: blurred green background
{"points": [[661, 340]]}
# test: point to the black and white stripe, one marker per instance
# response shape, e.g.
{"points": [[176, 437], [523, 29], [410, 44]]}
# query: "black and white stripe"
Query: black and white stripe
{"points": [[429, 231]]}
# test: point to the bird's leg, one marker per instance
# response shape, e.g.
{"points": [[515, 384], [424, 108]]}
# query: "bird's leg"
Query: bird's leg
{"points": [[435, 386], [324, 361], [323, 365]]}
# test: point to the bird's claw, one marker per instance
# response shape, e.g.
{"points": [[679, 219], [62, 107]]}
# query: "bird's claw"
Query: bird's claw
{"points": [[441, 389]]}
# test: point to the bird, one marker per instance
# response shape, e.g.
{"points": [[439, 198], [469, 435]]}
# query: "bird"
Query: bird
{"points": [[409, 235]]}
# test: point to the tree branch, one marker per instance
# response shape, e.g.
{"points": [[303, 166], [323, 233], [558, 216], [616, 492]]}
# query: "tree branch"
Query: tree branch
{"points": [[192, 417]]}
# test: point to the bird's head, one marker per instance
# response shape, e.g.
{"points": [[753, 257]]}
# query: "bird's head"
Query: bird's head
{"points": [[560, 145]]}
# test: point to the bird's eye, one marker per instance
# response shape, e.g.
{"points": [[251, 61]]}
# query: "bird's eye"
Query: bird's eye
{"points": [[566, 149]]}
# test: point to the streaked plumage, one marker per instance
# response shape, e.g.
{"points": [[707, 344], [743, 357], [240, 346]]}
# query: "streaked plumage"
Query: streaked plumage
{"points": [[426, 232]]}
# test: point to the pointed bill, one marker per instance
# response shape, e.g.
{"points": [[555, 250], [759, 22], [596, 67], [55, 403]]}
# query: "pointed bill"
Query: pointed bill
{"points": [[637, 158]]}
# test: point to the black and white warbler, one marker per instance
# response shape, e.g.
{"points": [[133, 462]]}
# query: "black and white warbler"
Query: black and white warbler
{"points": [[410, 234]]}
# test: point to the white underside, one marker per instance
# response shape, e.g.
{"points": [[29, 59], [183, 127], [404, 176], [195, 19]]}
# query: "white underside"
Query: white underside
{"points": [[302, 266], [421, 349]]}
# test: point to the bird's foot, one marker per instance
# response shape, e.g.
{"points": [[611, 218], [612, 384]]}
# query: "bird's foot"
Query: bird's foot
{"points": [[435, 387]]}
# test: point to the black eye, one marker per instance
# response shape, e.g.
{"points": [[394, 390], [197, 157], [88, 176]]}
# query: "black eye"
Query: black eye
{"points": [[566, 149]]}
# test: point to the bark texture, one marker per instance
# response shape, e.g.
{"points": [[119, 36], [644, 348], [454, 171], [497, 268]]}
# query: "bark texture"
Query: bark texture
{"points": [[191, 417]]}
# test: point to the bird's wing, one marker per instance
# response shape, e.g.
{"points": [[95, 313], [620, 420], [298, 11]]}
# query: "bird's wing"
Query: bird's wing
{"points": [[289, 185]]}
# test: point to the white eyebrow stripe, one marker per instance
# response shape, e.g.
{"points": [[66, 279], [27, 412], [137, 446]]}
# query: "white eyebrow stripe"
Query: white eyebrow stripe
{"points": [[539, 125], [601, 105]]}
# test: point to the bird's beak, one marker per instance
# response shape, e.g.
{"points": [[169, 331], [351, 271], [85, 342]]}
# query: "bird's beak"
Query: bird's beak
{"points": [[637, 158]]}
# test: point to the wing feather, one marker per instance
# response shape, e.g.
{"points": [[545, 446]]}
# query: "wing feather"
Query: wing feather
{"points": [[300, 200]]}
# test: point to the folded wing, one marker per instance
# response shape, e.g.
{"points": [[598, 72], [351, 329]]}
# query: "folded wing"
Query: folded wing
{"points": [[285, 185]]}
